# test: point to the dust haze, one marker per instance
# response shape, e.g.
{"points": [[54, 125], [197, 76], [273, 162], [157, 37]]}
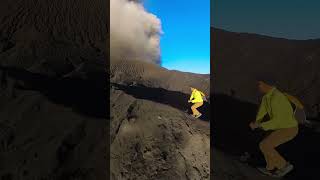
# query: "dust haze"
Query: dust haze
{"points": [[134, 32]]}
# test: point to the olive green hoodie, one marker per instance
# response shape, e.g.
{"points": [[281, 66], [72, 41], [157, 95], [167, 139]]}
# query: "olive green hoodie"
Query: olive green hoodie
{"points": [[279, 109]]}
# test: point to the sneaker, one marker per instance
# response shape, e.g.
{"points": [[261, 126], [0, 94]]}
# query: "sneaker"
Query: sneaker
{"points": [[282, 172], [197, 116], [265, 171]]}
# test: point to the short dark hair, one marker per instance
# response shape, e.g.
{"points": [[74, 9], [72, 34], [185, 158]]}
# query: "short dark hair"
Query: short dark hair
{"points": [[268, 79]]}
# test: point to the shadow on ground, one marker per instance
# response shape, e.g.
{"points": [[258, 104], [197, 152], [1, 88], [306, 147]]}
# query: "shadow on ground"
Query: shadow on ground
{"points": [[231, 134], [174, 99], [86, 96]]}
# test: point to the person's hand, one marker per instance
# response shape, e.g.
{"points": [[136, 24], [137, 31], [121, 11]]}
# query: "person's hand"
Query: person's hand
{"points": [[205, 98], [254, 125]]}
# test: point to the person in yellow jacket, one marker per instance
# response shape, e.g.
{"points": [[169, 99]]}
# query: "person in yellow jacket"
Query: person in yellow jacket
{"points": [[197, 99], [281, 123]]}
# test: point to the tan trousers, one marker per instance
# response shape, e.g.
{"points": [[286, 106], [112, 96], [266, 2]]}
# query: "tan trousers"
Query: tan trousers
{"points": [[194, 108], [268, 145]]}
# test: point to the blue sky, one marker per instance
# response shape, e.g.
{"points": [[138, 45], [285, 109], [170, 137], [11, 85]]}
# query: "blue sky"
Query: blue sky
{"points": [[185, 44], [291, 19]]}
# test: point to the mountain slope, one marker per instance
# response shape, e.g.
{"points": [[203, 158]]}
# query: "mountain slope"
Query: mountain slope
{"points": [[239, 58], [52, 96], [152, 137], [154, 141], [152, 75], [51, 37]]}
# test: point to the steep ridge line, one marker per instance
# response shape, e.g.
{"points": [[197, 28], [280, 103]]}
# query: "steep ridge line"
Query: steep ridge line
{"points": [[174, 99]]}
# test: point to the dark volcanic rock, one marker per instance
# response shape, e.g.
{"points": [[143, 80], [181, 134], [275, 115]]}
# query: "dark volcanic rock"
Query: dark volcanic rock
{"points": [[152, 136], [150, 140], [48, 37], [52, 89]]}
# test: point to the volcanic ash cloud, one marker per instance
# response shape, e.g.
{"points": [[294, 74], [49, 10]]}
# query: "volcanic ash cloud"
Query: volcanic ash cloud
{"points": [[134, 32]]}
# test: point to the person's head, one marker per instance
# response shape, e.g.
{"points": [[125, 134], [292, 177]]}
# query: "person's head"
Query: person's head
{"points": [[263, 87], [265, 82]]}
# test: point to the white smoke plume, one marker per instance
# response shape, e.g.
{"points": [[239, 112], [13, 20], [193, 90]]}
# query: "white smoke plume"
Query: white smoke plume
{"points": [[134, 32]]}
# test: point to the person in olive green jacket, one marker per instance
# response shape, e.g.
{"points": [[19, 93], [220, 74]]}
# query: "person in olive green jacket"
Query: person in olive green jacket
{"points": [[197, 99], [281, 123]]}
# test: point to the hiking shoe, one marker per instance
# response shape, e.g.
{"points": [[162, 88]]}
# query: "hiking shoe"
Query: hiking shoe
{"points": [[282, 172], [265, 171], [197, 116]]}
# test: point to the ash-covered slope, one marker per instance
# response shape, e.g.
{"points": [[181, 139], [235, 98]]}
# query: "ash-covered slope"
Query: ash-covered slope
{"points": [[152, 136], [49, 37], [239, 58], [52, 89], [150, 140]]}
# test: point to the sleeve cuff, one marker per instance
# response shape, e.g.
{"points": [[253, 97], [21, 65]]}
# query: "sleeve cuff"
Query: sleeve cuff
{"points": [[266, 125]]}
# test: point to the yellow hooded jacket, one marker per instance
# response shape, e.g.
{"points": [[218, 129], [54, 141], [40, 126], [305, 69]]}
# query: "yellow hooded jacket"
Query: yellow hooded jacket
{"points": [[278, 107], [196, 96]]}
